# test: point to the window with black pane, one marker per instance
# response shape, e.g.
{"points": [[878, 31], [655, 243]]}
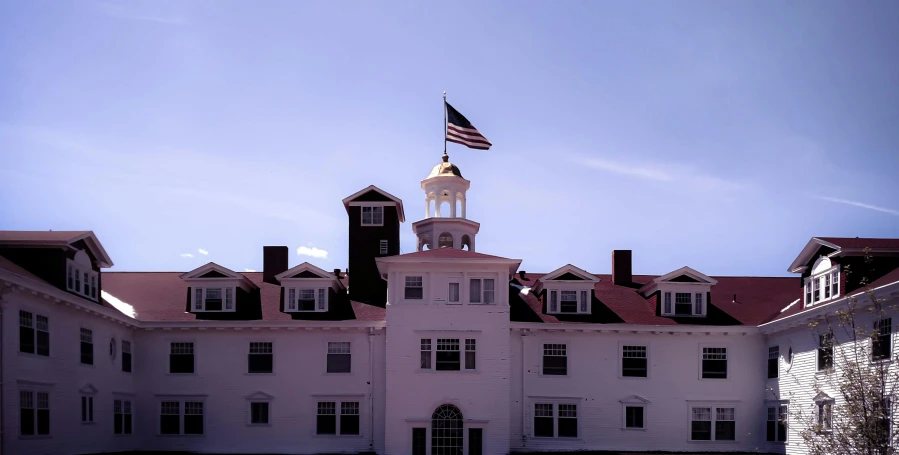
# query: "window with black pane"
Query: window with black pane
{"points": [[475, 441], [122, 419], [170, 417], [34, 413], [261, 357], [773, 361], [339, 357], [712, 424], [825, 352], [193, 417], [701, 424], [714, 363], [683, 305], [881, 341], [425, 354], [414, 288], [634, 361], [555, 359], [34, 333], [448, 355], [419, 441], [470, 354], [181, 358], [87, 409], [567, 421], [725, 425], [633, 417], [259, 413], [326, 419], [126, 356], [87, 346], [543, 420], [568, 302], [349, 417]]}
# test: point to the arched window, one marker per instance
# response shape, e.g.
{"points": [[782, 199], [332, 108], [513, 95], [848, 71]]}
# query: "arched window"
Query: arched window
{"points": [[445, 240], [446, 431], [466, 243]]}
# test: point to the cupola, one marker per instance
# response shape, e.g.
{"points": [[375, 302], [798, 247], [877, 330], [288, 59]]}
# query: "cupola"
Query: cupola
{"points": [[444, 224]]}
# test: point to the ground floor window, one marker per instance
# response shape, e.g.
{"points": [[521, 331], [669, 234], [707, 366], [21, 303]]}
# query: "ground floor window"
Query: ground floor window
{"points": [[337, 417], [776, 426], [121, 416], [555, 420], [712, 424], [34, 413], [181, 417], [447, 435]]}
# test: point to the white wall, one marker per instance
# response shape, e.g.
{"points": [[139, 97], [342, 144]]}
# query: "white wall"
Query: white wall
{"points": [[63, 375], [674, 380]]}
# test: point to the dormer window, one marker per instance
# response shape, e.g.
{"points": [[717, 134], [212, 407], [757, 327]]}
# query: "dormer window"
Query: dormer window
{"points": [[307, 299], [568, 302], [685, 304], [81, 277], [569, 290], [681, 293], [213, 299], [372, 216], [823, 283]]}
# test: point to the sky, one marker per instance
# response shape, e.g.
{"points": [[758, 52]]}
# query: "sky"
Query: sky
{"points": [[717, 135]]}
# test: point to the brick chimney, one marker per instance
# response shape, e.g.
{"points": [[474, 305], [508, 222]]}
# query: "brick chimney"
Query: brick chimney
{"points": [[621, 267], [274, 261]]}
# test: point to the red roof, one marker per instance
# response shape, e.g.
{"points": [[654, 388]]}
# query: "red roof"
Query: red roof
{"points": [[162, 296], [39, 236], [855, 242], [447, 253]]}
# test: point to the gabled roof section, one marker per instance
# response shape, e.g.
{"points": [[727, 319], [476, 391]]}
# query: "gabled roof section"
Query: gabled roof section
{"points": [[821, 396], [308, 271], [384, 196], [260, 395], [88, 389], [57, 238], [569, 272], [447, 254], [634, 399], [682, 275], [839, 246], [216, 272]]}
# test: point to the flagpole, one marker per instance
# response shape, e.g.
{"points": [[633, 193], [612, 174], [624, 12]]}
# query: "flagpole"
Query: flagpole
{"points": [[445, 156]]}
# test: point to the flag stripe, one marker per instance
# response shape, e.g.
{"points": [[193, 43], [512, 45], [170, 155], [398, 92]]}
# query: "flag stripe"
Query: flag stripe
{"points": [[461, 131], [469, 145], [468, 140], [466, 135]]}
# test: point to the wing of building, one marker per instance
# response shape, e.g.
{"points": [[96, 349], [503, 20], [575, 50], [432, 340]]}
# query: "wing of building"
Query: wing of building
{"points": [[445, 350]]}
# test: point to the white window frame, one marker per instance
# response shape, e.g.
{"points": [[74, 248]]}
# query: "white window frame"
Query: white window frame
{"points": [[130, 408], [699, 298], [193, 351], [32, 320], [338, 412], [424, 287], [482, 294], [713, 407], [87, 415], [821, 411], [821, 279], [543, 348], [80, 273], [555, 402], [727, 351], [199, 295], [35, 391], [634, 402], [260, 347], [372, 210], [182, 412], [583, 302], [321, 295], [327, 350], [250, 403], [642, 344], [449, 291]]}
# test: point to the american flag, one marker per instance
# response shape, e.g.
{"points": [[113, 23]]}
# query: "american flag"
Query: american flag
{"points": [[461, 131]]}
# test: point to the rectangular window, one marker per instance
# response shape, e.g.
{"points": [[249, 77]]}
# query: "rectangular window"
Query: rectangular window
{"points": [[583, 302], [322, 300], [339, 357], [697, 304], [475, 441], [326, 421], [291, 299], [306, 301], [426, 353], [555, 359], [34, 418], [884, 409], [835, 283], [77, 280], [448, 357], [419, 441], [553, 301], [126, 356], [181, 358], [193, 417], [87, 409], [70, 278], [481, 290], [543, 420], [667, 303], [383, 248], [701, 424], [470, 351], [633, 361], [773, 361], [121, 417], [414, 289], [827, 286], [825, 352], [714, 363], [453, 294], [881, 340], [567, 421], [42, 335], [87, 346], [372, 216], [633, 417], [26, 332], [773, 429], [816, 283], [229, 302], [170, 418], [93, 287], [349, 417], [808, 292], [261, 357], [725, 426], [488, 291], [683, 306], [568, 302], [87, 288], [213, 301], [825, 416], [259, 413], [198, 299], [474, 291]]}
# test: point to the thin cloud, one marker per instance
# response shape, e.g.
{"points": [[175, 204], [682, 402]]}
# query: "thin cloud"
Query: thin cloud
{"points": [[859, 204], [312, 252], [668, 173], [186, 255], [122, 12], [202, 251]]}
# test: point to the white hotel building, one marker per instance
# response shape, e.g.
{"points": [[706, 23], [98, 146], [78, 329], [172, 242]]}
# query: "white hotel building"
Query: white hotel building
{"points": [[446, 350]]}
